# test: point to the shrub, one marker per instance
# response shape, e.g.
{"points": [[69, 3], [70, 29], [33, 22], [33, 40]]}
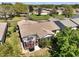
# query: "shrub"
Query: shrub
{"points": [[44, 42]]}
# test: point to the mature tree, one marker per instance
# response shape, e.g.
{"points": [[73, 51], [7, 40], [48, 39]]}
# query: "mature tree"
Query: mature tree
{"points": [[31, 9], [11, 11], [39, 11], [53, 11], [20, 8], [45, 42], [6, 10], [75, 6], [68, 12], [47, 6], [6, 3], [67, 43]]}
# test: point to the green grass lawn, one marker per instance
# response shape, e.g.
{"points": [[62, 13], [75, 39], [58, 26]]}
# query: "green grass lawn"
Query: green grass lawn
{"points": [[46, 17], [42, 17]]}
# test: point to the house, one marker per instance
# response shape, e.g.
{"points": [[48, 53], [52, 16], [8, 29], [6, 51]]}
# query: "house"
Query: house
{"points": [[76, 11], [3, 16], [59, 12], [23, 14], [3, 30], [30, 33], [43, 12]]}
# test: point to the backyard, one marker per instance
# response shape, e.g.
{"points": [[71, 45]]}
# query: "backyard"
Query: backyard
{"points": [[12, 45]]}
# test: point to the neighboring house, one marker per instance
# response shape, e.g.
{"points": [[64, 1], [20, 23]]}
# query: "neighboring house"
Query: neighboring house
{"points": [[75, 16], [53, 19], [46, 11], [64, 23], [59, 12], [76, 21], [76, 11], [68, 23], [30, 33], [23, 14], [3, 31], [2, 16], [43, 12]]}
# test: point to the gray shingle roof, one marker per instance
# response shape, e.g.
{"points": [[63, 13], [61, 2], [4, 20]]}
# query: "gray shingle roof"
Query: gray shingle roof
{"points": [[62, 23], [68, 23], [75, 20], [41, 29]]}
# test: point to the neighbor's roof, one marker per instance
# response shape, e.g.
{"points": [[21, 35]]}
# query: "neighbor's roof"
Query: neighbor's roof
{"points": [[53, 19], [2, 30], [63, 23], [75, 20], [75, 16], [41, 29], [68, 23]]}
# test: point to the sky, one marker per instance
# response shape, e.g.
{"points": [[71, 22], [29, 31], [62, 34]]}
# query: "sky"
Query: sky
{"points": [[39, 0], [51, 2], [57, 3]]}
